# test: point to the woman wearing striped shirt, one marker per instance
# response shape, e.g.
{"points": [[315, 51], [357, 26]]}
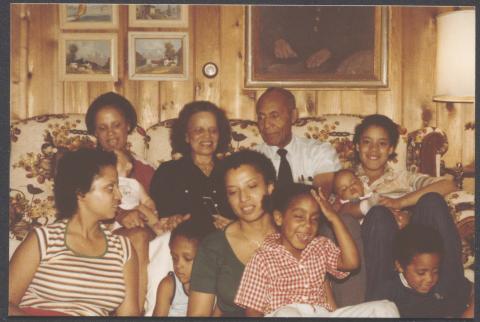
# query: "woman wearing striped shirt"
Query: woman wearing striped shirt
{"points": [[76, 266]]}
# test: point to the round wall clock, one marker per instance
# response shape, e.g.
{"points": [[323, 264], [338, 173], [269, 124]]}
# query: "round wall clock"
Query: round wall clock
{"points": [[210, 70]]}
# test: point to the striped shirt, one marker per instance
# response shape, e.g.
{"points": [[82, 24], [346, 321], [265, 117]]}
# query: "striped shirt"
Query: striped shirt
{"points": [[76, 284]]}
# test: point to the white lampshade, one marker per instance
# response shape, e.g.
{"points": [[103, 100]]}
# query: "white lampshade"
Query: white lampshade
{"points": [[455, 57]]}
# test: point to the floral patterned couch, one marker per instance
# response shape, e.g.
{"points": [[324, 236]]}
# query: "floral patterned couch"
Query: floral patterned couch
{"points": [[36, 141]]}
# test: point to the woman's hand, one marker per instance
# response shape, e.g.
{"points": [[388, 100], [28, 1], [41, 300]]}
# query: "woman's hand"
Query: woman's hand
{"points": [[401, 217], [221, 222], [131, 218], [124, 165], [390, 202], [169, 223], [325, 206]]}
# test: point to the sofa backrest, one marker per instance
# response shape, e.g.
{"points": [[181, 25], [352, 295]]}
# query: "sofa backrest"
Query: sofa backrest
{"points": [[34, 144], [338, 130]]}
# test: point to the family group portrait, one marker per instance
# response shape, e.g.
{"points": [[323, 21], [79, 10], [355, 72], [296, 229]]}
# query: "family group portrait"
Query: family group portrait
{"points": [[238, 161]]}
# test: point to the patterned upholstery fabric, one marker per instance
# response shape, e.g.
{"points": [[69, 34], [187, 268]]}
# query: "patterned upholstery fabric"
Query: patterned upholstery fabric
{"points": [[36, 141], [336, 129]]}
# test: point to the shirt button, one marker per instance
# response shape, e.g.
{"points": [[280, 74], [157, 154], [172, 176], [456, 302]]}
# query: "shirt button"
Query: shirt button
{"points": [[214, 191], [186, 190], [216, 204]]}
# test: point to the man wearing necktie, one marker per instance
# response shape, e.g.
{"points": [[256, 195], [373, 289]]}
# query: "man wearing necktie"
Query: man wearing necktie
{"points": [[309, 161], [296, 159]]}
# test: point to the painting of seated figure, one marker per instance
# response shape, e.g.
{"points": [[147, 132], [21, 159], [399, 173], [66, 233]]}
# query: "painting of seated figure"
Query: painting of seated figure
{"points": [[308, 46]]}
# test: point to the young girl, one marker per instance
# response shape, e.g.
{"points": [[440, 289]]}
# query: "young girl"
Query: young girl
{"points": [[286, 275], [173, 290]]}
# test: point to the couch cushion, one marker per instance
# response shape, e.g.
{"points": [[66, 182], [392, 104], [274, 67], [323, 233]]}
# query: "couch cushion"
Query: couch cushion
{"points": [[34, 145]]}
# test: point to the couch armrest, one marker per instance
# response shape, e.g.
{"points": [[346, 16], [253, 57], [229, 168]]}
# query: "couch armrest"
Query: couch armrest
{"points": [[462, 208], [423, 145]]}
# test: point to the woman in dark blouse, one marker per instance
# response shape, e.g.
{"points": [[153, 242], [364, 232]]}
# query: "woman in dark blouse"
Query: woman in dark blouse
{"points": [[192, 184]]}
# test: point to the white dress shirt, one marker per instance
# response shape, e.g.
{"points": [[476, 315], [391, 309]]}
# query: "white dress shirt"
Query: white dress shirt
{"points": [[307, 158]]}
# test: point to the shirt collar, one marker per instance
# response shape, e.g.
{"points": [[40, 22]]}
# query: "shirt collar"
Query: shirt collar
{"points": [[404, 280], [271, 243], [289, 147], [387, 174]]}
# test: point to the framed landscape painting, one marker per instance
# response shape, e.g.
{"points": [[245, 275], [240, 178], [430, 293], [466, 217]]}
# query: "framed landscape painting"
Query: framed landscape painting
{"points": [[158, 55], [88, 57], [158, 15], [88, 16], [317, 46]]}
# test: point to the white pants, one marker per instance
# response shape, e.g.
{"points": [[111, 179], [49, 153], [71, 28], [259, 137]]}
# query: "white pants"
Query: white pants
{"points": [[373, 309]]}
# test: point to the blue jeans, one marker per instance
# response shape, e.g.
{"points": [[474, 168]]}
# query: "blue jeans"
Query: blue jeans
{"points": [[378, 232]]}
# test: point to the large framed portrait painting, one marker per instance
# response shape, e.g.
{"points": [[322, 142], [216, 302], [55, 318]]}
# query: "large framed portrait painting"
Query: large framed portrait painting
{"points": [[317, 46]]}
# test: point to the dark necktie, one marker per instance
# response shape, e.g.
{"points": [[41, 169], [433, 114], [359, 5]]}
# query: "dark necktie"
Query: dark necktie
{"points": [[284, 172]]}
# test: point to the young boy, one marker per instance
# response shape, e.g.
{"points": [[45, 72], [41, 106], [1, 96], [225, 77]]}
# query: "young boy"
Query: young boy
{"points": [[286, 276], [349, 188], [173, 290], [418, 251]]}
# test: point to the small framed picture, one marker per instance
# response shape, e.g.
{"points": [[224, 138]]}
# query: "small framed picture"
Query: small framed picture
{"points": [[158, 55], [88, 57], [88, 16], [158, 15]]}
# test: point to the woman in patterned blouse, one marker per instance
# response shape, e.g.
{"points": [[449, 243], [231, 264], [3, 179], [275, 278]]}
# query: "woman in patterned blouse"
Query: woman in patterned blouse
{"points": [[76, 266]]}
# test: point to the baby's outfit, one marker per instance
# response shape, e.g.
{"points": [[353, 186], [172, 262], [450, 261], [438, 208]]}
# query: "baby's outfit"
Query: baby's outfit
{"points": [[130, 189]]}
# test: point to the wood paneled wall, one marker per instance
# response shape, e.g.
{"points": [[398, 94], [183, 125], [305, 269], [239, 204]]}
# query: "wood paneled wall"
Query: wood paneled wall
{"points": [[217, 34]]}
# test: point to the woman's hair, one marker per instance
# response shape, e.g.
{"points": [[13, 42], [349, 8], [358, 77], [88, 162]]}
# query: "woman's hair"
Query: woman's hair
{"points": [[257, 160], [179, 128], [381, 121], [189, 230], [120, 103], [416, 239], [75, 173]]}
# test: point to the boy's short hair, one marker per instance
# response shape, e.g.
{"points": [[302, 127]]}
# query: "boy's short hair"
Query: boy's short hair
{"points": [[188, 230], [283, 196], [339, 173], [416, 239]]}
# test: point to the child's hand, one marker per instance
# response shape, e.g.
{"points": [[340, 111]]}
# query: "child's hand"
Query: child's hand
{"points": [[221, 222], [325, 206]]}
